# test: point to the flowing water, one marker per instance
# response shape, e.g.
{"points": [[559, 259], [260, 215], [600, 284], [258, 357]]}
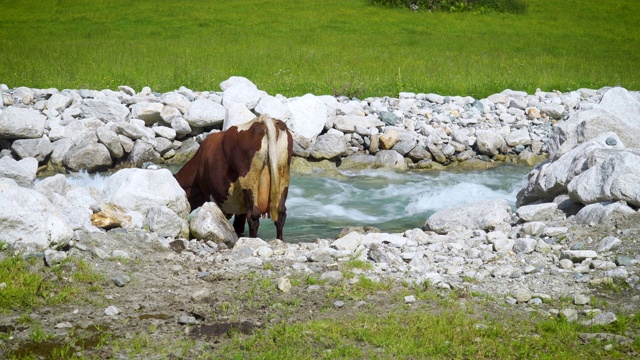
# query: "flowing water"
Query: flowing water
{"points": [[320, 205]]}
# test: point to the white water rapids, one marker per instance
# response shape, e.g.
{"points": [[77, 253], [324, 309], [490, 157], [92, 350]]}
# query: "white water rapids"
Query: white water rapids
{"points": [[320, 205]]}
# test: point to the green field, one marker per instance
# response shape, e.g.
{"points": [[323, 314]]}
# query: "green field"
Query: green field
{"points": [[294, 47]]}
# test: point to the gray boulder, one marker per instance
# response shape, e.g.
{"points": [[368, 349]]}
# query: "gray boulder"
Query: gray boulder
{"points": [[551, 179], [59, 102], [90, 156], [328, 146], [390, 159], [28, 218], [348, 123], [237, 113], [272, 107], [105, 110], [204, 113], [147, 111], [537, 212], [607, 213], [23, 172], [618, 112], [166, 223], [308, 115], [35, 148], [518, 137], [245, 93], [140, 190], [490, 142], [613, 179], [19, 123], [143, 151], [109, 138], [484, 215], [177, 101], [209, 223]]}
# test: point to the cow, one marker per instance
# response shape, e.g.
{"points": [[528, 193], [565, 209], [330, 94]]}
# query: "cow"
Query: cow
{"points": [[245, 171]]}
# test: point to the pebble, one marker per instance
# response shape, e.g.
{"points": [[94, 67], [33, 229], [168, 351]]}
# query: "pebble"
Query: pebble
{"points": [[188, 320], [338, 303], [580, 299], [284, 284], [410, 299], [112, 311], [522, 295]]}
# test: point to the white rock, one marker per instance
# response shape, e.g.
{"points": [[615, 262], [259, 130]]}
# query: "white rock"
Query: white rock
{"points": [[204, 113], [308, 115]]}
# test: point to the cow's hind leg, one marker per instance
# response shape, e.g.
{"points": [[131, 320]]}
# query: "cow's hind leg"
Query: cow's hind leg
{"points": [[282, 214], [238, 223], [253, 213]]}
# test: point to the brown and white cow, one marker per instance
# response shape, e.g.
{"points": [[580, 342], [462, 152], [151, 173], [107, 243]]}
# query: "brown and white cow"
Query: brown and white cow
{"points": [[245, 170]]}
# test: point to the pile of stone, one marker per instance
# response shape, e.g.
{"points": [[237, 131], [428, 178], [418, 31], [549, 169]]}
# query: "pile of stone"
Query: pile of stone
{"points": [[72, 130]]}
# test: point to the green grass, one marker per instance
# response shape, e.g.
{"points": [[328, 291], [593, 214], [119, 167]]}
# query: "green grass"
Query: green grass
{"points": [[295, 47], [29, 284], [422, 333]]}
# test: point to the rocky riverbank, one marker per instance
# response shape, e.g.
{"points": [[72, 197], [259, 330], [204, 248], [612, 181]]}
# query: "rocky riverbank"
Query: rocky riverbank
{"points": [[72, 130], [574, 232]]}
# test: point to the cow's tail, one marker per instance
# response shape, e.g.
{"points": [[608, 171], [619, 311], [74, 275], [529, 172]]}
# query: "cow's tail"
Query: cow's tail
{"points": [[274, 186]]}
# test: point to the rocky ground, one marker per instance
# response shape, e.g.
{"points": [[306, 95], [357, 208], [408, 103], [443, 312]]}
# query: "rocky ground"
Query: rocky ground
{"points": [[174, 290]]}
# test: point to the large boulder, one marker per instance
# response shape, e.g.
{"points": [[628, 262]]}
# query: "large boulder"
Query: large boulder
{"points": [[242, 92], [209, 223], [23, 172], [28, 218], [613, 179], [89, 156], [105, 110], [166, 223], [140, 190], [205, 113], [484, 215], [35, 148], [19, 123], [618, 112], [308, 115], [490, 142], [328, 146], [551, 179], [272, 107], [147, 111]]}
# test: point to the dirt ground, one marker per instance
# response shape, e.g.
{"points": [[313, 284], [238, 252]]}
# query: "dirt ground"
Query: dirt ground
{"points": [[170, 294]]}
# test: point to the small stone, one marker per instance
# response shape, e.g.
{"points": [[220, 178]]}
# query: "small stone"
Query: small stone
{"points": [[608, 243], [410, 299], [529, 269], [511, 301], [516, 274], [118, 281], [63, 325], [608, 347], [338, 303], [284, 284], [535, 301], [569, 314], [52, 257], [578, 256], [623, 261], [578, 246], [604, 318], [200, 294], [566, 264], [202, 274], [580, 299], [112, 311], [175, 268], [187, 320], [522, 295]]}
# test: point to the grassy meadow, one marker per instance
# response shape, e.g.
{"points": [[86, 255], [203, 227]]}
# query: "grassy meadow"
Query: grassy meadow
{"points": [[295, 47]]}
